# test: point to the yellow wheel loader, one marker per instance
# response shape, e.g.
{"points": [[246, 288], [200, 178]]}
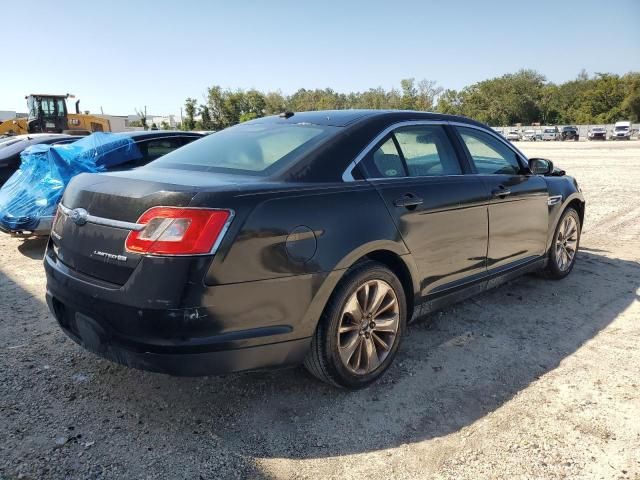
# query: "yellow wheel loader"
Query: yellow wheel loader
{"points": [[48, 114]]}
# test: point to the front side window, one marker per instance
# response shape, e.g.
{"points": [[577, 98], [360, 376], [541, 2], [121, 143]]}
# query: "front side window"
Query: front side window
{"points": [[427, 151], [252, 149], [489, 154]]}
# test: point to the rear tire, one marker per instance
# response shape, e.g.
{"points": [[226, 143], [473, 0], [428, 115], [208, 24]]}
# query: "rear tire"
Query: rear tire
{"points": [[360, 330], [565, 245]]}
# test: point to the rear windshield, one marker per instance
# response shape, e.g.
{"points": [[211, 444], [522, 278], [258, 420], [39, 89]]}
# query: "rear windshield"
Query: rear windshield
{"points": [[255, 149], [549, 130]]}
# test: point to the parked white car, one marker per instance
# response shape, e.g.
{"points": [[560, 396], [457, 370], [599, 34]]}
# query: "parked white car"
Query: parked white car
{"points": [[529, 135], [513, 136], [597, 133], [551, 133]]}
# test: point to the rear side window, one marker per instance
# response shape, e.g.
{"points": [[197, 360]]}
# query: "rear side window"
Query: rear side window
{"points": [[153, 149], [384, 161], [415, 151], [427, 151], [489, 154], [250, 148], [158, 148]]}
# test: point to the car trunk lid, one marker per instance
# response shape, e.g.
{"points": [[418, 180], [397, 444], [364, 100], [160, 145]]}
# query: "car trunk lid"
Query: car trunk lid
{"points": [[98, 211]]}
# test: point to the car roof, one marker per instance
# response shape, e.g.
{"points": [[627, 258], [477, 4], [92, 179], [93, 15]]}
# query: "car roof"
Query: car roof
{"points": [[355, 129], [144, 134], [33, 138], [343, 118]]}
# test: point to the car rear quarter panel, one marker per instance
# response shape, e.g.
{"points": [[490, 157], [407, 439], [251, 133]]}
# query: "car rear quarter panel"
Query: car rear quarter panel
{"points": [[343, 221], [255, 279]]}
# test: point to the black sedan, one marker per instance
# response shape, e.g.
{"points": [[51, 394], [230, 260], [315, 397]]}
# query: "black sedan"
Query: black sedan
{"points": [[309, 237]]}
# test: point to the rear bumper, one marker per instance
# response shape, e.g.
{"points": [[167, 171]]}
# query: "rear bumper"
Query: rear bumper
{"points": [[188, 360], [271, 327]]}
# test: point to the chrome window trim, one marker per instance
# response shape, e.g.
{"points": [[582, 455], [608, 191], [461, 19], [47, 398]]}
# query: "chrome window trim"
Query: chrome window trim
{"points": [[347, 176], [168, 137]]}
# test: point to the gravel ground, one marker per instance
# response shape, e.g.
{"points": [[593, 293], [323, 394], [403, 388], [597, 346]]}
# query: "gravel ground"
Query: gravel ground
{"points": [[535, 379]]}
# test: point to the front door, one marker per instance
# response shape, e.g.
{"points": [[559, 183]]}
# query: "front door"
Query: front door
{"points": [[518, 209], [440, 212]]}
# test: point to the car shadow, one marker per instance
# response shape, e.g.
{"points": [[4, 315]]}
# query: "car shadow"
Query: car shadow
{"points": [[33, 247], [454, 367]]}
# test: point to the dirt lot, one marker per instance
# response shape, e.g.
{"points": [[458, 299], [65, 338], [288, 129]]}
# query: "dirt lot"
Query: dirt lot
{"points": [[535, 379]]}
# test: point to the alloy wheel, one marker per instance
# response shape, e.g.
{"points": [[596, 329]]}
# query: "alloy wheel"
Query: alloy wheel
{"points": [[566, 243], [368, 327]]}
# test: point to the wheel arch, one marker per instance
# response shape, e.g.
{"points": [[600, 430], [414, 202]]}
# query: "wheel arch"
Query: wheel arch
{"points": [[575, 201], [394, 256], [578, 205], [398, 265], [390, 254]]}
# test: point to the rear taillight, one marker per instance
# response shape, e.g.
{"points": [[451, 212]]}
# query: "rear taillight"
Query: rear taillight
{"points": [[55, 225], [178, 231]]}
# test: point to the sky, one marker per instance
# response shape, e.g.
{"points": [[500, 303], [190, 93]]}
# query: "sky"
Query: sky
{"points": [[121, 55]]}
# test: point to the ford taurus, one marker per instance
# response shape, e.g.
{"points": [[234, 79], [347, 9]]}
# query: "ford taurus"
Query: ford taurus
{"points": [[308, 237]]}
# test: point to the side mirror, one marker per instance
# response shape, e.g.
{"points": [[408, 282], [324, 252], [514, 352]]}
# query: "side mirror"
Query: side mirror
{"points": [[540, 166]]}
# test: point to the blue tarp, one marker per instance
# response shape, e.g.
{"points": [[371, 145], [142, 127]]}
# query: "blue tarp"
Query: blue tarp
{"points": [[33, 192]]}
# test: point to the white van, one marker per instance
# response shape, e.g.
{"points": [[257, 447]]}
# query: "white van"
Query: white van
{"points": [[621, 131]]}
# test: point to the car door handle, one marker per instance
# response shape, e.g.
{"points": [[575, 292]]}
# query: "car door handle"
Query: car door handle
{"points": [[408, 200], [500, 192]]}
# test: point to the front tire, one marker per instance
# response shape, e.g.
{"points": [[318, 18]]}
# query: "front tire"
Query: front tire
{"points": [[566, 241], [360, 330]]}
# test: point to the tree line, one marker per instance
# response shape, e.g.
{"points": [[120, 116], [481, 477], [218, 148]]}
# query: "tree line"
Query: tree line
{"points": [[524, 97]]}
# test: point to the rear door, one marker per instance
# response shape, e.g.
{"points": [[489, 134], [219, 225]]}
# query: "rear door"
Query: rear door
{"points": [[439, 211], [518, 209]]}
